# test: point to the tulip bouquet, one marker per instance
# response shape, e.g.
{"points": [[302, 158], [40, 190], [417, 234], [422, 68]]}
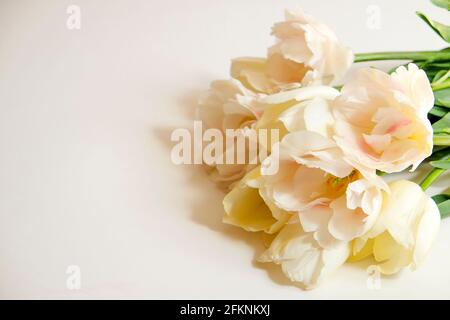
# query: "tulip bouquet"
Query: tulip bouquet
{"points": [[332, 198]]}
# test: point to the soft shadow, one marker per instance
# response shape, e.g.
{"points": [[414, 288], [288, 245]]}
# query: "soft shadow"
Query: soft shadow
{"points": [[275, 273], [188, 103], [163, 134], [206, 209], [206, 198]]}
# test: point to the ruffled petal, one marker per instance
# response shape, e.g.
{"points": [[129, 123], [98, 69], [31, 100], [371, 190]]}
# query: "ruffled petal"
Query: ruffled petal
{"points": [[301, 258]]}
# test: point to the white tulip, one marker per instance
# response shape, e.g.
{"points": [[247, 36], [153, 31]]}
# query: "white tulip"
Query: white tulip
{"points": [[246, 207], [306, 108], [301, 258], [228, 105], [306, 52], [333, 200], [381, 119], [405, 229]]}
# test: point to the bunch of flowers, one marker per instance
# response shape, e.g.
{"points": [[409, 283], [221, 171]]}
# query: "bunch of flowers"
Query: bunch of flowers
{"points": [[329, 201]]}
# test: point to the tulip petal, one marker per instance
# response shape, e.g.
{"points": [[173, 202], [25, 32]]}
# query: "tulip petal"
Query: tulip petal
{"points": [[405, 230], [301, 259], [381, 119]]}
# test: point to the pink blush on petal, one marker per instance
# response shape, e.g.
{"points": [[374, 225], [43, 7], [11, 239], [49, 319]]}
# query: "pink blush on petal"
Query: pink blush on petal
{"points": [[399, 124], [366, 148]]}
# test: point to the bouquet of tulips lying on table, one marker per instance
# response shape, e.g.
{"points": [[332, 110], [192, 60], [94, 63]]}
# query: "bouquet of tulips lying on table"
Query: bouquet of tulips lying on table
{"points": [[321, 189]]}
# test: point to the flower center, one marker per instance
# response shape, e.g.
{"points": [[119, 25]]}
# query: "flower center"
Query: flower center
{"points": [[337, 186]]}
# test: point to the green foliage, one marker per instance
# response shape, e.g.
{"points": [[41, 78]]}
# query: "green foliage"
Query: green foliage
{"points": [[441, 164], [441, 29], [442, 97], [442, 3], [443, 204], [438, 111], [443, 125], [441, 153]]}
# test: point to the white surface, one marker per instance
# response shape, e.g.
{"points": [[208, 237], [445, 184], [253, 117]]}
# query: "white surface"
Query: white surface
{"points": [[85, 173]]}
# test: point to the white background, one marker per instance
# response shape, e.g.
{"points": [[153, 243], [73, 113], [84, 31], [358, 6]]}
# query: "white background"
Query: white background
{"points": [[85, 171]]}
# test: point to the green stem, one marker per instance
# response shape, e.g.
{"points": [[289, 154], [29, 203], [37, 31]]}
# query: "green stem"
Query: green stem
{"points": [[443, 78], [440, 85], [403, 55], [441, 140], [431, 177]]}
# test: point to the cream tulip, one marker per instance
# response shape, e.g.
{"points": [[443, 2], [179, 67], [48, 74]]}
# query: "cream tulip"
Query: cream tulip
{"points": [[247, 208], [301, 257], [333, 200], [405, 230], [314, 185], [306, 52], [381, 119], [306, 108], [228, 105]]}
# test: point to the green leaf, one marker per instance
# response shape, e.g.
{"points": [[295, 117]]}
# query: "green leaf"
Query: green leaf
{"points": [[442, 103], [438, 111], [442, 3], [439, 198], [441, 29], [439, 153], [441, 164], [443, 125], [444, 209], [443, 204], [439, 75], [442, 97]]}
